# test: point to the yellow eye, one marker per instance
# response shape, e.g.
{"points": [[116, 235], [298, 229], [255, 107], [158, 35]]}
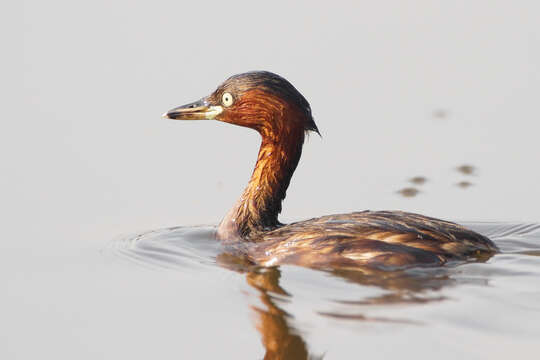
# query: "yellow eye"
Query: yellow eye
{"points": [[227, 99]]}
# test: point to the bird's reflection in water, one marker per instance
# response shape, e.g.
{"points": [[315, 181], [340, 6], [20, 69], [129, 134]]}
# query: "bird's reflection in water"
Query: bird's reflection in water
{"points": [[282, 341], [279, 338]]}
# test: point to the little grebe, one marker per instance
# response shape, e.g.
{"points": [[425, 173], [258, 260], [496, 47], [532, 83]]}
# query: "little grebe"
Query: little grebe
{"points": [[272, 106]]}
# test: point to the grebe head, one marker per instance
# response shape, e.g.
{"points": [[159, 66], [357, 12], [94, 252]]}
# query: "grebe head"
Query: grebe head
{"points": [[268, 103], [260, 100]]}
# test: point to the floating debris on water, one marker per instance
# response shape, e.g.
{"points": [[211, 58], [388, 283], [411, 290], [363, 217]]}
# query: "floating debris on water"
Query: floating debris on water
{"points": [[466, 169], [418, 180], [408, 192], [440, 114], [464, 184]]}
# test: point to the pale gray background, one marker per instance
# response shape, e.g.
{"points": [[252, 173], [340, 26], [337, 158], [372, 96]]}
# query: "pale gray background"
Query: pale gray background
{"points": [[86, 156]]}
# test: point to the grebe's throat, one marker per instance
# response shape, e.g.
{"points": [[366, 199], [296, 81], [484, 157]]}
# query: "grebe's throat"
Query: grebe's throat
{"points": [[258, 208]]}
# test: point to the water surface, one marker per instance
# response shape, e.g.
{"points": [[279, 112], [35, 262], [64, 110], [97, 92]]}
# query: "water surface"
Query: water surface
{"points": [[399, 90], [290, 306]]}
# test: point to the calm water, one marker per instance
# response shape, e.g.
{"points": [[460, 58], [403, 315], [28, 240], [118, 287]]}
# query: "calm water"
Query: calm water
{"points": [[299, 313], [424, 106]]}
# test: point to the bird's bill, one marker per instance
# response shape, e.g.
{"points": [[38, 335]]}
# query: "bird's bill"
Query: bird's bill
{"points": [[198, 110]]}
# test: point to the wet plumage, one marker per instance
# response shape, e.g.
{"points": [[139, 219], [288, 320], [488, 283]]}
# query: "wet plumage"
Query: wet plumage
{"points": [[369, 238], [270, 105]]}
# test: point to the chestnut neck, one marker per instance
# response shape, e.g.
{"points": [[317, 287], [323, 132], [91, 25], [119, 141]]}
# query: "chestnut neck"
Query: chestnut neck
{"points": [[258, 208]]}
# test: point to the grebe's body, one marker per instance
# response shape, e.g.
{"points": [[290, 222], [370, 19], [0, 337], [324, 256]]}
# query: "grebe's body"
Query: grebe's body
{"points": [[386, 239], [270, 105]]}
